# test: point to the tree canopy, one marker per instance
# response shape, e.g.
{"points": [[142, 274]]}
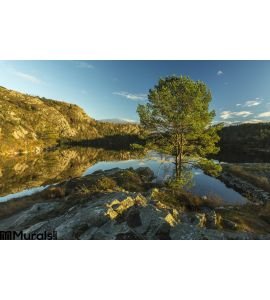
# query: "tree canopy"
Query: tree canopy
{"points": [[177, 121]]}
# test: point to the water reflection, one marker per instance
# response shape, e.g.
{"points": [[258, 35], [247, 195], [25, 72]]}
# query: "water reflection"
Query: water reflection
{"points": [[19, 173], [24, 175]]}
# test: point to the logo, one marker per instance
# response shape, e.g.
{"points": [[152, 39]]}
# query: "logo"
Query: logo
{"points": [[20, 235]]}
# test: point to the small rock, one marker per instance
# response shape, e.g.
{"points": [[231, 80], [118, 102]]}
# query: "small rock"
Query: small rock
{"points": [[133, 218], [212, 220], [227, 224], [163, 232], [199, 219]]}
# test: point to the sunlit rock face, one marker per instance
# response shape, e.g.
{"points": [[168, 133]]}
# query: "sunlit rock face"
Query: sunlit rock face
{"points": [[30, 123], [27, 122], [118, 204], [118, 215]]}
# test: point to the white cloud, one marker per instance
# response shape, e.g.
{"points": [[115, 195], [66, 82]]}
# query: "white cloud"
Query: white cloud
{"points": [[27, 77], [243, 114], [219, 73], [130, 96], [253, 102], [230, 114], [253, 121], [264, 115], [226, 115], [85, 65]]}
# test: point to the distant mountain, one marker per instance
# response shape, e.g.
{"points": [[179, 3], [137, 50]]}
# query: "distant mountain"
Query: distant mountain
{"points": [[238, 123], [31, 123], [118, 121]]}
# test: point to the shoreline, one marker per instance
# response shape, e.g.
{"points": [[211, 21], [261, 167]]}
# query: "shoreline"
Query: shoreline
{"points": [[125, 204]]}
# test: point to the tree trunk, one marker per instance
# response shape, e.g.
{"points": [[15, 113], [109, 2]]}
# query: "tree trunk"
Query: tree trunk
{"points": [[179, 156], [176, 166]]}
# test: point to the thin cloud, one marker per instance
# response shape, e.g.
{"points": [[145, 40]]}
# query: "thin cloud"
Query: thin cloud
{"points": [[130, 96], [27, 77], [231, 114], [250, 103], [264, 115], [219, 73], [243, 114], [253, 121], [253, 102], [85, 65]]}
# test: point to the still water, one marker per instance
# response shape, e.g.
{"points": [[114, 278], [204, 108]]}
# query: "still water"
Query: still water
{"points": [[22, 176]]}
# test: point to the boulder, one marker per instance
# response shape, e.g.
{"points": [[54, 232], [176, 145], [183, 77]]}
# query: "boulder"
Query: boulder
{"points": [[21, 219]]}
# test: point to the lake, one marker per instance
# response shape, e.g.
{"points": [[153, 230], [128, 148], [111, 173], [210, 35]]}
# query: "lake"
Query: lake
{"points": [[28, 174]]}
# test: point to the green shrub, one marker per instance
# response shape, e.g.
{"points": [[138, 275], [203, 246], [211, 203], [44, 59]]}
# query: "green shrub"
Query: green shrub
{"points": [[105, 183]]}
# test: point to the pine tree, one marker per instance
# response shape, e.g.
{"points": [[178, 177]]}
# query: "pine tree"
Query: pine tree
{"points": [[177, 121]]}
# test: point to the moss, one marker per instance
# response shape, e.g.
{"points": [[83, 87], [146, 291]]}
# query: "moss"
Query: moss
{"points": [[183, 200], [129, 180], [106, 183]]}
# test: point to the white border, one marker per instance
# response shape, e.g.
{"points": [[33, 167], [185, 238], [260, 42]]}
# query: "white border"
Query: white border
{"points": [[141, 29], [134, 270]]}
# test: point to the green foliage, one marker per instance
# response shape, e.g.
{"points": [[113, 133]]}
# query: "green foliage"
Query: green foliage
{"points": [[183, 181], [210, 167], [111, 129], [177, 120], [136, 147], [105, 183], [246, 135], [187, 201]]}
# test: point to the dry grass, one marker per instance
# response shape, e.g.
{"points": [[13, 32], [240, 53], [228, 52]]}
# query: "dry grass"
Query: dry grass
{"points": [[212, 201], [53, 193], [181, 198], [249, 176], [250, 218]]}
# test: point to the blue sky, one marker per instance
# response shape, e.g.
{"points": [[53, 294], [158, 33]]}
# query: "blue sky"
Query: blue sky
{"points": [[113, 89]]}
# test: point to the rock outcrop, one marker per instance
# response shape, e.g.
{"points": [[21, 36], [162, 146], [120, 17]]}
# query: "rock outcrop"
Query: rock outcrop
{"points": [[31, 123], [99, 207]]}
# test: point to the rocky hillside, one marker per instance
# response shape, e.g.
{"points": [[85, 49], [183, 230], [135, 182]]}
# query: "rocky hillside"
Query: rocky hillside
{"points": [[31, 123]]}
